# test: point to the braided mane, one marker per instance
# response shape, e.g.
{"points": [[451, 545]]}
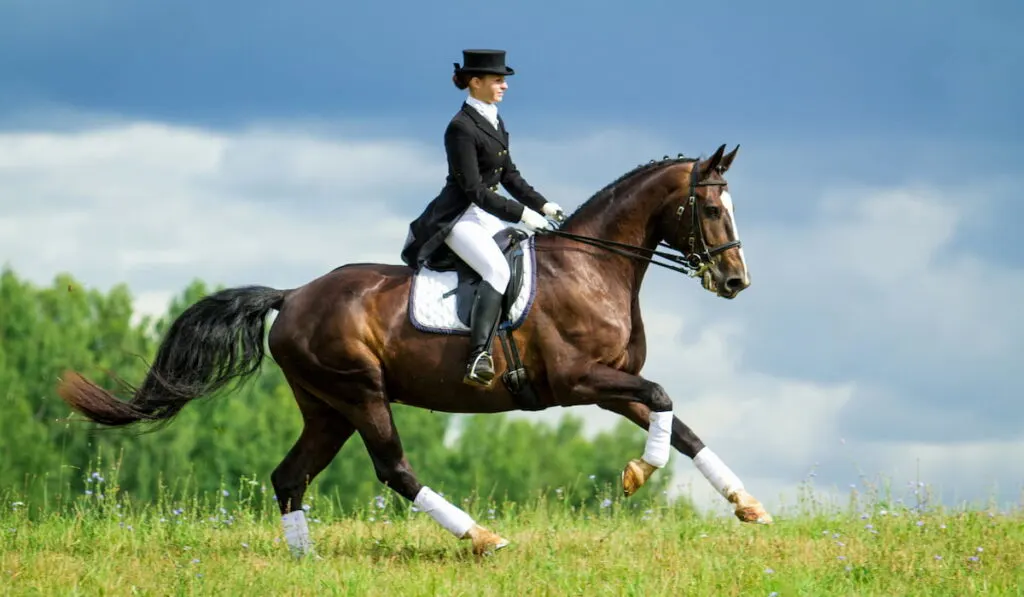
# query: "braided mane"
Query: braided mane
{"points": [[611, 187]]}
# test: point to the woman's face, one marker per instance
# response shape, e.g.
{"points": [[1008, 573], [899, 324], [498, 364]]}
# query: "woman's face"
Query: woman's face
{"points": [[488, 88]]}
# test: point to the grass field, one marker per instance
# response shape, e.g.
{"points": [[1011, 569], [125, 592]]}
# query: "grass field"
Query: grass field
{"points": [[225, 545]]}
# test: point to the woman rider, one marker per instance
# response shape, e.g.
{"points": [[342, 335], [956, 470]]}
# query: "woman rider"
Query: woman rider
{"points": [[468, 211]]}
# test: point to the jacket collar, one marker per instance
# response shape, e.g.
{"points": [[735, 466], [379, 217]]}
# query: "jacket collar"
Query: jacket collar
{"points": [[480, 121]]}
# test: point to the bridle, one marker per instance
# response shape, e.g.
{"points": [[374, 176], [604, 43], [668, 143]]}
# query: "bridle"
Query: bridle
{"points": [[697, 259]]}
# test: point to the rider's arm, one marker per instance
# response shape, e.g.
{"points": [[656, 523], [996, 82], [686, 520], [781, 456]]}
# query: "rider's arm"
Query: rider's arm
{"points": [[460, 146], [517, 186]]}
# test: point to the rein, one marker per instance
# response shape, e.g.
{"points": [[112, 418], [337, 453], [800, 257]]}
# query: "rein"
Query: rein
{"points": [[693, 263]]}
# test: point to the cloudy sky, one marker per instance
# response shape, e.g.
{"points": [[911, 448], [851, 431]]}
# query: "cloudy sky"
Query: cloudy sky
{"points": [[876, 188]]}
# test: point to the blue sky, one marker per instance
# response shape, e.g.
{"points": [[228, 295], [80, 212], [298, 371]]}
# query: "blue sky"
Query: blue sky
{"points": [[881, 148]]}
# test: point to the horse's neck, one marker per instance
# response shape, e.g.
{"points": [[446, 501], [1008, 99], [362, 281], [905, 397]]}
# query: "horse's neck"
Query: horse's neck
{"points": [[631, 218]]}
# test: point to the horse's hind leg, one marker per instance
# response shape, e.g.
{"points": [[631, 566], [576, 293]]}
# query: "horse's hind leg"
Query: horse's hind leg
{"points": [[374, 422], [718, 474], [324, 432]]}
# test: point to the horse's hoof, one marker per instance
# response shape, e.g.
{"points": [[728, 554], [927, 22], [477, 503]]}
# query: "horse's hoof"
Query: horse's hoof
{"points": [[748, 509], [485, 542], [635, 475]]}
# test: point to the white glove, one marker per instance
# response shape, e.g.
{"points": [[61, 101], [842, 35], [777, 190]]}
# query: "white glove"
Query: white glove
{"points": [[551, 209], [533, 220]]}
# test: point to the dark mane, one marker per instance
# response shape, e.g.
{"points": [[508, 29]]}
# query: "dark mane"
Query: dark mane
{"points": [[613, 186]]}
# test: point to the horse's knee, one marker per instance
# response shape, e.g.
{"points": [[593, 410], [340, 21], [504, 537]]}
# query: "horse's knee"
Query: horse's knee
{"points": [[656, 398]]}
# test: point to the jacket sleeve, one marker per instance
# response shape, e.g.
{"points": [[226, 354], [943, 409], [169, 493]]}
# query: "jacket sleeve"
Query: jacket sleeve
{"points": [[460, 146], [517, 186]]}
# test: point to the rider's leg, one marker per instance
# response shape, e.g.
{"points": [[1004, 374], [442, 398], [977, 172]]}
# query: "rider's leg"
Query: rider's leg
{"points": [[474, 245]]}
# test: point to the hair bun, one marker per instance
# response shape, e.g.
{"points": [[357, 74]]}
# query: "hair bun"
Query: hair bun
{"points": [[459, 78]]}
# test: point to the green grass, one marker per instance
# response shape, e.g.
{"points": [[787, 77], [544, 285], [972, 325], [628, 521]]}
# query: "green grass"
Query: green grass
{"points": [[111, 546]]}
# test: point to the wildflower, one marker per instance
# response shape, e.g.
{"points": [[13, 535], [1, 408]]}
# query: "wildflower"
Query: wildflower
{"points": [[306, 507], [937, 557], [245, 545], [769, 571], [606, 503], [592, 477], [381, 502], [920, 523], [225, 492]]}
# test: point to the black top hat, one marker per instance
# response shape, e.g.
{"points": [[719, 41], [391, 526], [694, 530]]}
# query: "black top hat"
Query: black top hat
{"points": [[484, 62]]}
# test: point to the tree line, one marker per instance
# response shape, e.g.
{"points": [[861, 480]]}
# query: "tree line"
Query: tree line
{"points": [[51, 457]]}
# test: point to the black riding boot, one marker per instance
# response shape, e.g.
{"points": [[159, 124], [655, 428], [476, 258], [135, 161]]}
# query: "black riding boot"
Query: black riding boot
{"points": [[482, 320]]}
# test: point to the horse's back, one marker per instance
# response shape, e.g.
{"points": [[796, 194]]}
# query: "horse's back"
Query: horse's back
{"points": [[357, 300]]}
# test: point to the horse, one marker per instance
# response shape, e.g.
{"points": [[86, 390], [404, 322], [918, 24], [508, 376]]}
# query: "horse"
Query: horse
{"points": [[349, 347]]}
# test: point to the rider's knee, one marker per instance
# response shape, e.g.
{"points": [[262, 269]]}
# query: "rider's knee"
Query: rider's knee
{"points": [[498, 275]]}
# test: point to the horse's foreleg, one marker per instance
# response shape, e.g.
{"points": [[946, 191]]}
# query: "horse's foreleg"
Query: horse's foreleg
{"points": [[376, 425], [718, 474], [602, 384]]}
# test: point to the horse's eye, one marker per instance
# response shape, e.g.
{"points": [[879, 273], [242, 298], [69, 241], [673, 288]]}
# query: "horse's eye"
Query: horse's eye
{"points": [[712, 211]]}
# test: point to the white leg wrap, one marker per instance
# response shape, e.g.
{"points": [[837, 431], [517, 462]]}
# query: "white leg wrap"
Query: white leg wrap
{"points": [[444, 512], [296, 533], [717, 473], [659, 439]]}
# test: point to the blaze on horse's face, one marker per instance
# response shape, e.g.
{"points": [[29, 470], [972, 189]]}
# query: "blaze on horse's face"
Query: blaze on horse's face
{"points": [[726, 275]]}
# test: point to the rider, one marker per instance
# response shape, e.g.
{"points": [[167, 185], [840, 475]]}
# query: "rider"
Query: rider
{"points": [[468, 212]]}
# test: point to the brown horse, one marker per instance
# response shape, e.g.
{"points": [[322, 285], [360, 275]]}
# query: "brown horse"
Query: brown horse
{"points": [[348, 349]]}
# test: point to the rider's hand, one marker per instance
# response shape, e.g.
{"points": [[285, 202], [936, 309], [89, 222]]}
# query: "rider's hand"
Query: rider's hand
{"points": [[533, 220], [554, 210]]}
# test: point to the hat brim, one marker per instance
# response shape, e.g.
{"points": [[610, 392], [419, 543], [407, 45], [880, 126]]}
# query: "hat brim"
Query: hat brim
{"points": [[504, 71]]}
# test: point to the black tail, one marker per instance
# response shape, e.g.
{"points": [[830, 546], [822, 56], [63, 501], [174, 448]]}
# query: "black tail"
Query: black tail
{"points": [[215, 341]]}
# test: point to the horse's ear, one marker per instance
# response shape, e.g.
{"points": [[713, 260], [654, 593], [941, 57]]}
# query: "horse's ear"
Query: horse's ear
{"points": [[727, 160], [712, 162]]}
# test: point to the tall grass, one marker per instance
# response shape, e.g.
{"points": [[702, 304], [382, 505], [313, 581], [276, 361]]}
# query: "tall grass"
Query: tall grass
{"points": [[100, 542]]}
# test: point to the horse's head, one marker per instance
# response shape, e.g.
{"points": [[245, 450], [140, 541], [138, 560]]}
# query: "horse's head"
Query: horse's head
{"points": [[701, 223]]}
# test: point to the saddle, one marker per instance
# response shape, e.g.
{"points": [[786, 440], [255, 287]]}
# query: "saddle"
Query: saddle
{"points": [[465, 290], [508, 240]]}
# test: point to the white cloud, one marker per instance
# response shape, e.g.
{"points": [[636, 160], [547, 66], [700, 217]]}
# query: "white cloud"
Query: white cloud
{"points": [[771, 381]]}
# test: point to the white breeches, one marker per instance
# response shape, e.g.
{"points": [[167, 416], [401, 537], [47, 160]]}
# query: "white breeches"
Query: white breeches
{"points": [[471, 240]]}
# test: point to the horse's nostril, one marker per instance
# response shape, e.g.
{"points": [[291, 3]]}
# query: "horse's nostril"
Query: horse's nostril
{"points": [[734, 283]]}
